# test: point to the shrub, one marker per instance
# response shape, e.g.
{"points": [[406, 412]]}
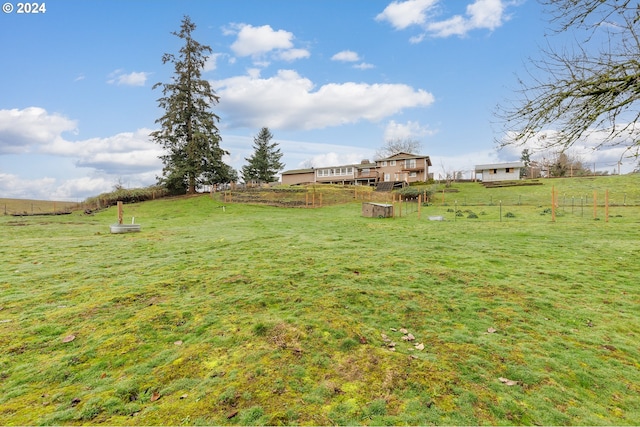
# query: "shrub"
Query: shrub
{"points": [[130, 195], [414, 192]]}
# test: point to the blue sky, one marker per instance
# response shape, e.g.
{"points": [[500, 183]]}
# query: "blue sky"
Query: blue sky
{"points": [[332, 79]]}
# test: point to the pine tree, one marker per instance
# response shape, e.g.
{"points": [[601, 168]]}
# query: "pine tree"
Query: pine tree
{"points": [[265, 162], [188, 133]]}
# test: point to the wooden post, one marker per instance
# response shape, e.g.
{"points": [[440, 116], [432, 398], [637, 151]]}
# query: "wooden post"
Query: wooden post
{"points": [[306, 200], [553, 203], [606, 206], [119, 212], [419, 205], [595, 205]]}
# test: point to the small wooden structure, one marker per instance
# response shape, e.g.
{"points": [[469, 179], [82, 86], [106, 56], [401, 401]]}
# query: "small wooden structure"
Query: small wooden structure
{"points": [[123, 228], [377, 210]]}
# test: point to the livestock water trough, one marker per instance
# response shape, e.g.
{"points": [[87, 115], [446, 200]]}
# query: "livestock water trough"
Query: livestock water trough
{"points": [[119, 227]]}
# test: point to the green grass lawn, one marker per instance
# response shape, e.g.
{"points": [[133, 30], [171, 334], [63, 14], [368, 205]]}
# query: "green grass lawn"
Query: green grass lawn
{"points": [[260, 315]]}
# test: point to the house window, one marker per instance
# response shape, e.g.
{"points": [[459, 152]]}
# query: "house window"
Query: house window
{"points": [[413, 174], [410, 163], [493, 171], [384, 163], [350, 171], [387, 177], [508, 170], [366, 171], [392, 162]]}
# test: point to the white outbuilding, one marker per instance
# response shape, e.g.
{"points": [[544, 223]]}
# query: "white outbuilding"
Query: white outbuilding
{"points": [[500, 171]]}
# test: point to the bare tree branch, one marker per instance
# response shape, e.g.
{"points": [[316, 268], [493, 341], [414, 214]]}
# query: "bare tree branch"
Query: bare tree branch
{"points": [[398, 145], [576, 91]]}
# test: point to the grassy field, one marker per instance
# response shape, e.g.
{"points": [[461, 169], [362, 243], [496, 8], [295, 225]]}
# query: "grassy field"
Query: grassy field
{"points": [[237, 314]]}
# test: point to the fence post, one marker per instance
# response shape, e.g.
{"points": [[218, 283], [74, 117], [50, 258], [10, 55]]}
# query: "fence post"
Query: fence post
{"points": [[119, 212], [419, 205], [606, 206], [553, 203]]}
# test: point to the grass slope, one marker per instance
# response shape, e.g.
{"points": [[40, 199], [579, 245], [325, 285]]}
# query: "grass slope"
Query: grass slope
{"points": [[260, 315]]}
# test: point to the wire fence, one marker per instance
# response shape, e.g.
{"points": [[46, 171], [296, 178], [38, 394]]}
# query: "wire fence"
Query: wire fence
{"points": [[17, 207], [304, 197]]}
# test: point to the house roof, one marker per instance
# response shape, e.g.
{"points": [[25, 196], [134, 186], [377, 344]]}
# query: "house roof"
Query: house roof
{"points": [[297, 171], [404, 156], [361, 165], [480, 168]]}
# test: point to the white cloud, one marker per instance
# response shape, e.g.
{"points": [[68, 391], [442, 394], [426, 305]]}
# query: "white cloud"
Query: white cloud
{"points": [[351, 56], [15, 187], [293, 54], [253, 41], [403, 14], [364, 66], [346, 56], [212, 62], [124, 153], [264, 42], [118, 77], [82, 188], [22, 130], [480, 14], [34, 131], [409, 130], [289, 101]]}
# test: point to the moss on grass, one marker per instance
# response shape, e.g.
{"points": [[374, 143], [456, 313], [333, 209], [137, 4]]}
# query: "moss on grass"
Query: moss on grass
{"points": [[258, 315]]}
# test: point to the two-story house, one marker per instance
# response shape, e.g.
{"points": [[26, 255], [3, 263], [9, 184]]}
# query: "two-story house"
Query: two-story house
{"points": [[401, 168]]}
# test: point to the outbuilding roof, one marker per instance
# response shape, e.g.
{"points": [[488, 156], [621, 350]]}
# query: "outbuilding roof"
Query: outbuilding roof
{"points": [[480, 168]]}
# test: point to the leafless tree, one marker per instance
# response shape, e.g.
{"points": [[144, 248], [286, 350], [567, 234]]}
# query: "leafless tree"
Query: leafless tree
{"points": [[592, 85], [398, 145]]}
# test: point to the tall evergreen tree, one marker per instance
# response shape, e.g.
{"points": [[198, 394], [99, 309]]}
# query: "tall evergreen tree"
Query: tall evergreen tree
{"points": [[188, 131], [265, 162]]}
